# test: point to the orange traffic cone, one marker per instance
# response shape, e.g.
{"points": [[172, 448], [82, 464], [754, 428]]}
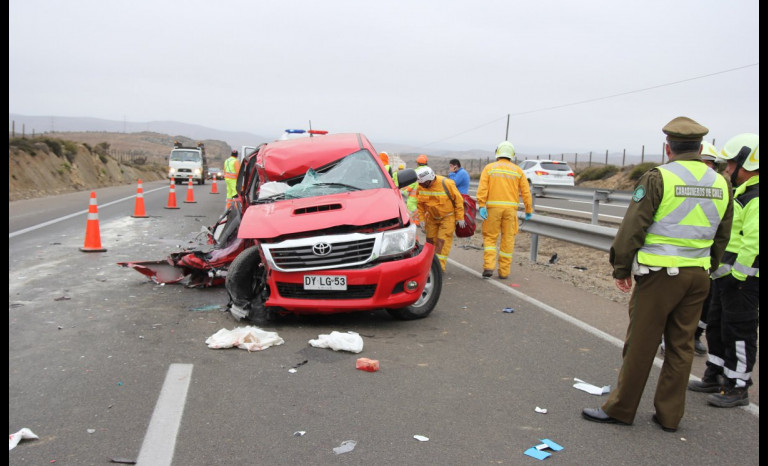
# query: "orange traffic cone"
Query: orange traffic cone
{"points": [[138, 210], [172, 196], [214, 189], [190, 193], [92, 235]]}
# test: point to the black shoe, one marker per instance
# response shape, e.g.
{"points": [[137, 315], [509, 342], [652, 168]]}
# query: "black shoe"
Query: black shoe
{"points": [[487, 273], [699, 347], [730, 398], [598, 415], [665, 429], [706, 385]]}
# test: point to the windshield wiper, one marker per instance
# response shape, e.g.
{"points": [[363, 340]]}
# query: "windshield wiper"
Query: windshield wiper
{"points": [[348, 186]]}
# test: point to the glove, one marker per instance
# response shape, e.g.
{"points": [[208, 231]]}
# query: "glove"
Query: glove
{"points": [[461, 224], [483, 213], [528, 216]]}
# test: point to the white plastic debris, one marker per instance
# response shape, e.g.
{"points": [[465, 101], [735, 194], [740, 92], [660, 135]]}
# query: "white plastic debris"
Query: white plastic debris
{"points": [[541, 410], [345, 447], [337, 341], [23, 434], [591, 389], [248, 338], [421, 438], [299, 433]]}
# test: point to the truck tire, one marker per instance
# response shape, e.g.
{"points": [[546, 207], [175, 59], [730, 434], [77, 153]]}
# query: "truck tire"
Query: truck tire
{"points": [[243, 285], [429, 296]]}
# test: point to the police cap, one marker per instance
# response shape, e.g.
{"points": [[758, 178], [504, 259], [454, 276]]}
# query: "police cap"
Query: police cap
{"points": [[684, 129]]}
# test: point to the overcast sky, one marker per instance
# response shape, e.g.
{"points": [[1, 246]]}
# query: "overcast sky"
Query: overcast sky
{"points": [[573, 76]]}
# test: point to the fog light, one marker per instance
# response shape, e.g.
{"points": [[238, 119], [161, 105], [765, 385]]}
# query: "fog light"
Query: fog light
{"points": [[411, 285]]}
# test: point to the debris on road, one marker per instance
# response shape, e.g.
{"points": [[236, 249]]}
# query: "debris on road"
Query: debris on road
{"points": [[23, 434], [248, 338], [345, 447], [337, 341]]}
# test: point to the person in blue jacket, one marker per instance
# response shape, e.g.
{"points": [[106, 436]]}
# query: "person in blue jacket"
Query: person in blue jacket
{"points": [[459, 176]]}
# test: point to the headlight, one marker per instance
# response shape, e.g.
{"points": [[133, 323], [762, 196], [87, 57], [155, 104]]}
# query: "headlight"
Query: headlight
{"points": [[398, 241], [171, 170], [198, 171]]}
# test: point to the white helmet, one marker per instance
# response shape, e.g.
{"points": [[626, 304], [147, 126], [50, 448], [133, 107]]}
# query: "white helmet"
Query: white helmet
{"points": [[710, 152], [743, 149], [424, 173], [505, 149]]}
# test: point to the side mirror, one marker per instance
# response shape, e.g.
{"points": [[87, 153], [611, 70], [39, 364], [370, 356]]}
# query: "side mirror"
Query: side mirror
{"points": [[406, 177]]}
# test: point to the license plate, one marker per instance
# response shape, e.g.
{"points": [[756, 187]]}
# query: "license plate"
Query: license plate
{"points": [[325, 282]]}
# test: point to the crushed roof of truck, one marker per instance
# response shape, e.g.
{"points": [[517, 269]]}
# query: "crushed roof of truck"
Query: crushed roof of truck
{"points": [[288, 159]]}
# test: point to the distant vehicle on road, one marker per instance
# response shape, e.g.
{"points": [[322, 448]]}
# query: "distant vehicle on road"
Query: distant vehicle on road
{"points": [[548, 172], [215, 171]]}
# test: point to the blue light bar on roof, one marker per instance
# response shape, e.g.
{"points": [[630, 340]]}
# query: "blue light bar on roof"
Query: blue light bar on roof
{"points": [[295, 131]]}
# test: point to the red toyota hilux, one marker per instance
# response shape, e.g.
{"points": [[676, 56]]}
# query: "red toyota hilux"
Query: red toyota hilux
{"points": [[329, 232]]}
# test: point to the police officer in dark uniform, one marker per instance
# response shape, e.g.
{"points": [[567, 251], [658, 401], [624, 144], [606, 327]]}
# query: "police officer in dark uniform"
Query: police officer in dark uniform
{"points": [[675, 229]]}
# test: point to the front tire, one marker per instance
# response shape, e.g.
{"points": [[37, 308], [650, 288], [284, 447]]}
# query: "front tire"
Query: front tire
{"points": [[244, 284], [428, 299]]}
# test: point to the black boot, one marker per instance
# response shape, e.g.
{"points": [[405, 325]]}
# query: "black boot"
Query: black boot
{"points": [[712, 382], [730, 397]]}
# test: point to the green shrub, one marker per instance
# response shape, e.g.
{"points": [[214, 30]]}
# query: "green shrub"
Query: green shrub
{"points": [[639, 169], [598, 172], [54, 145], [23, 144]]}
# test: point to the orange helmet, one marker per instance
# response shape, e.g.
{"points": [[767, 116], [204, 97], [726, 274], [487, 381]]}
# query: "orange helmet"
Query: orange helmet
{"points": [[384, 157], [421, 160]]}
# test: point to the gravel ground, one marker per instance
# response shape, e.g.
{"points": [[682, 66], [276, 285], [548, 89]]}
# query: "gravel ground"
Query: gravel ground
{"points": [[586, 268]]}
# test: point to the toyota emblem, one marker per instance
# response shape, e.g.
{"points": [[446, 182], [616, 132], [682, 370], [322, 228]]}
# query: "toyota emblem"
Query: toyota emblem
{"points": [[321, 249]]}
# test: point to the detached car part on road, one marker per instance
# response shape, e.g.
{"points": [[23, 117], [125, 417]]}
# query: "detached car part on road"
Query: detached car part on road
{"points": [[330, 232]]}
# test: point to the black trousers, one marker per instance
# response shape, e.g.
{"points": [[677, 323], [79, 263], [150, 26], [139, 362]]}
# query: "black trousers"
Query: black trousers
{"points": [[732, 324]]}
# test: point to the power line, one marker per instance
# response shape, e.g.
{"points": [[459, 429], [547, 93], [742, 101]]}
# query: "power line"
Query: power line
{"points": [[596, 99]]}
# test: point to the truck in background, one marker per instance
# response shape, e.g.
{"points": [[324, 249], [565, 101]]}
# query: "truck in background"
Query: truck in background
{"points": [[185, 162]]}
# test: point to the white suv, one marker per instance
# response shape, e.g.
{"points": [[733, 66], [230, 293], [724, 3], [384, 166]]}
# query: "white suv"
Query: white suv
{"points": [[547, 172]]}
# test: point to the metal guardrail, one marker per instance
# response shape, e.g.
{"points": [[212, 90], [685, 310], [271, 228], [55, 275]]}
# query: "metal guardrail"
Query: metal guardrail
{"points": [[584, 234]]}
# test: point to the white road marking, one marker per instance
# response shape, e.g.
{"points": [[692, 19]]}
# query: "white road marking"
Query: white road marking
{"points": [[160, 439]]}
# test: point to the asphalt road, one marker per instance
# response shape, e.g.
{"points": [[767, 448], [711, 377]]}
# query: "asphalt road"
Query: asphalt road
{"points": [[104, 364]]}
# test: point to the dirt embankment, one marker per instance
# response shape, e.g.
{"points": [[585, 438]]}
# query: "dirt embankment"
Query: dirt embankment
{"points": [[40, 172]]}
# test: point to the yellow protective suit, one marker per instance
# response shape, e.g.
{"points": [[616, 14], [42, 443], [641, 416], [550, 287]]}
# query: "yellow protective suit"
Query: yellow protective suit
{"points": [[439, 215], [502, 183]]}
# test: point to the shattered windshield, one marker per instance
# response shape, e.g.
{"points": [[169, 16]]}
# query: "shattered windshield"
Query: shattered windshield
{"points": [[185, 156], [355, 172]]}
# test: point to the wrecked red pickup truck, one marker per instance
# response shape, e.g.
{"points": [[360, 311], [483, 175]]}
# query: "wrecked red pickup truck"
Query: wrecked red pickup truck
{"points": [[330, 232]]}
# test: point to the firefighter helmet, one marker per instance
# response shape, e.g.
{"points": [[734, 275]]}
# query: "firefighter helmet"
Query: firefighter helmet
{"points": [[424, 174], [421, 159], [384, 158], [709, 152], [505, 149], [743, 149]]}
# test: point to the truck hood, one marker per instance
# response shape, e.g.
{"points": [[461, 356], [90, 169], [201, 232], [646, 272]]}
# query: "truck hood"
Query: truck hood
{"points": [[356, 208]]}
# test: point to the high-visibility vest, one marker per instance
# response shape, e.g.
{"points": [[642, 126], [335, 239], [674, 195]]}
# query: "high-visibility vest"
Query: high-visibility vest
{"points": [[231, 167], [694, 201], [742, 255]]}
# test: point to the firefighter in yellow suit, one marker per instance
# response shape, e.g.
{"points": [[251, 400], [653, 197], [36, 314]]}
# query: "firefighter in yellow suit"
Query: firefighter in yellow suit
{"points": [[440, 207], [231, 169], [502, 184]]}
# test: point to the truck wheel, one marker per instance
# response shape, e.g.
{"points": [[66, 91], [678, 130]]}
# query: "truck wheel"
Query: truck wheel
{"points": [[243, 285], [428, 299]]}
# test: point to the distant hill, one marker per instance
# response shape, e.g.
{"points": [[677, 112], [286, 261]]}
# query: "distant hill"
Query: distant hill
{"points": [[28, 125]]}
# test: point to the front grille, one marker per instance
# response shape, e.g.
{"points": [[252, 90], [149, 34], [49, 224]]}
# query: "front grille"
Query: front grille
{"points": [[297, 291], [184, 170], [342, 253]]}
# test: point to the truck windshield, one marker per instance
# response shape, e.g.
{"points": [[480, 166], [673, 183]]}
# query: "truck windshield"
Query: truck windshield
{"points": [[355, 172], [185, 156]]}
